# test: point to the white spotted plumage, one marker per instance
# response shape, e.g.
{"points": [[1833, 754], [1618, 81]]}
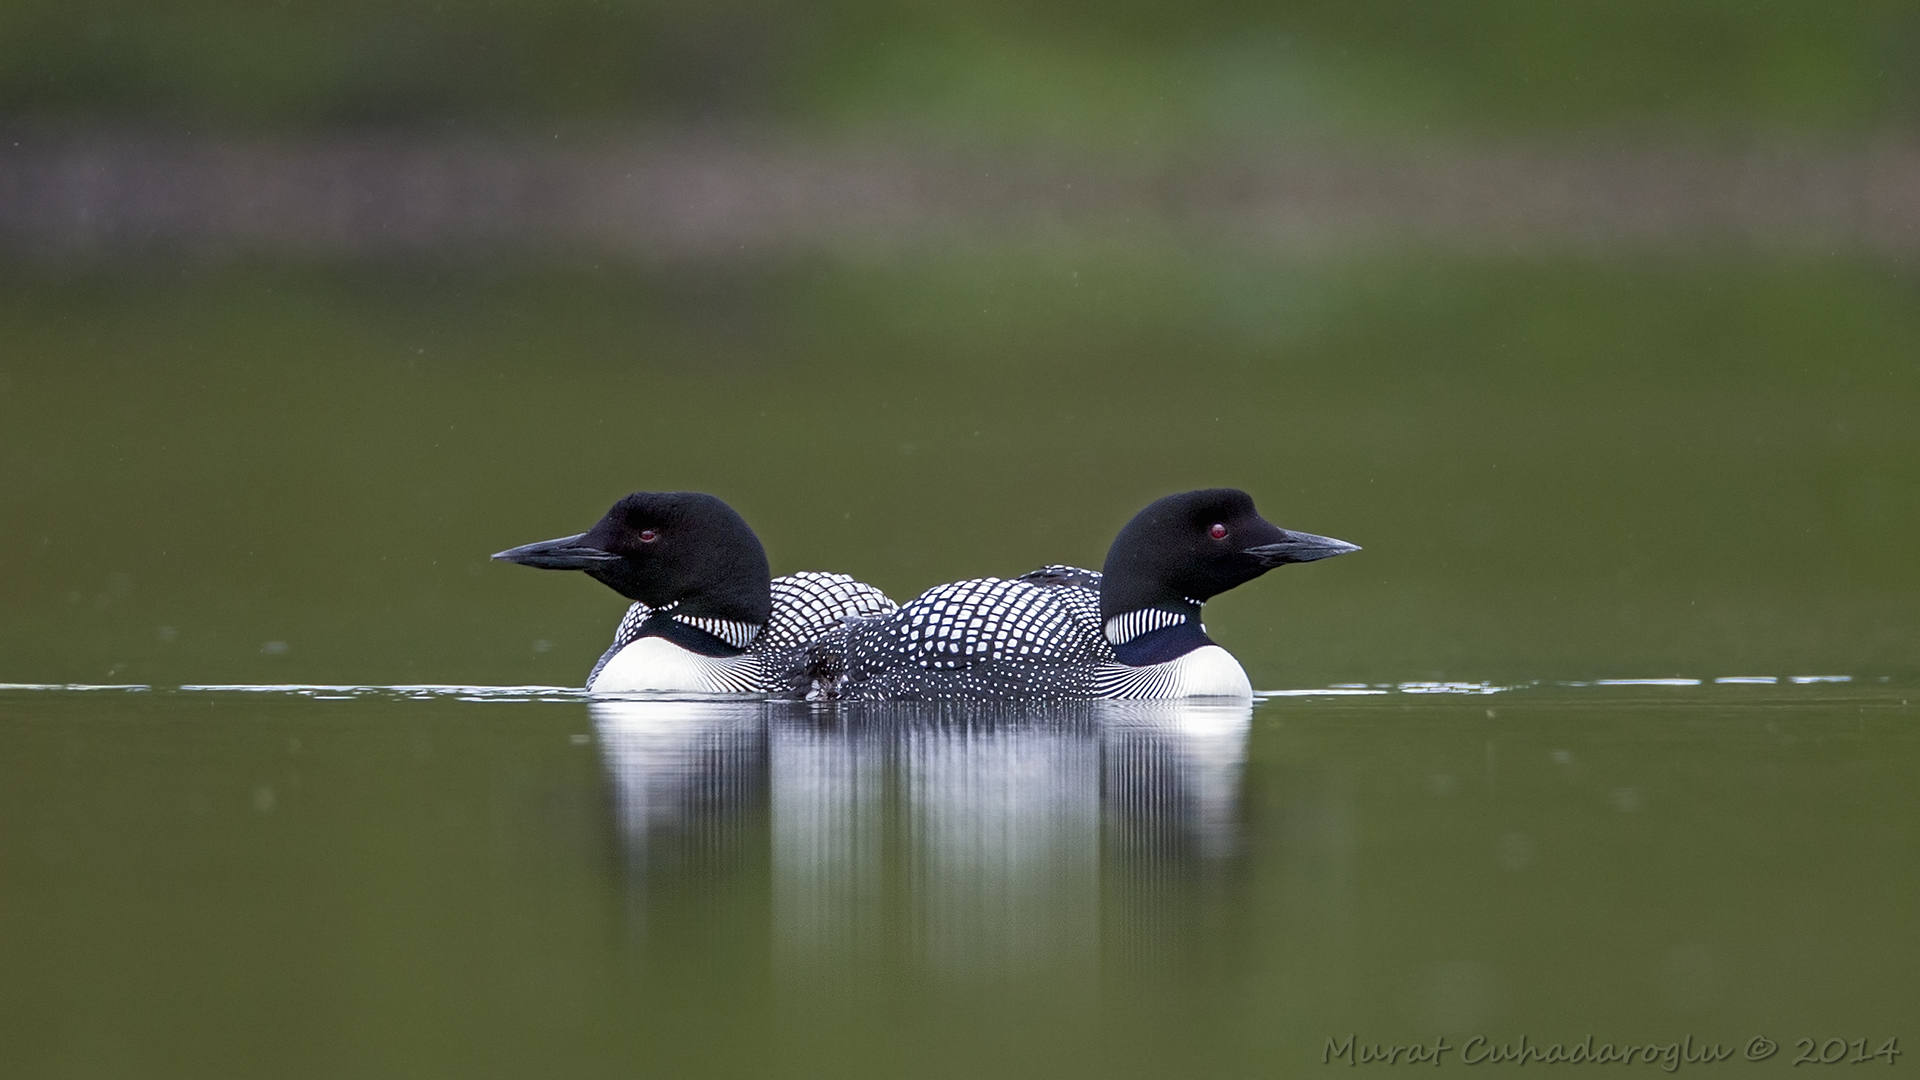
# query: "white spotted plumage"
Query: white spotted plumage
{"points": [[981, 638], [1036, 636], [810, 603], [805, 606], [1132, 631]]}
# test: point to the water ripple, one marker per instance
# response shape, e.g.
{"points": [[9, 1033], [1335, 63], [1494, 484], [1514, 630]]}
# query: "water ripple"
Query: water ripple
{"points": [[462, 692]]}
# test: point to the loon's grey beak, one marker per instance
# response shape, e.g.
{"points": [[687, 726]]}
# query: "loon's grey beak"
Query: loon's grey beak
{"points": [[566, 553], [1300, 547]]}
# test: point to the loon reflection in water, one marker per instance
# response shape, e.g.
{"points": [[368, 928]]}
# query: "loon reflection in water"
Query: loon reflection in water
{"points": [[977, 838]]}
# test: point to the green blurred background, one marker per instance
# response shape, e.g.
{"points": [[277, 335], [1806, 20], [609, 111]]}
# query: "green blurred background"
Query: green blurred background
{"points": [[991, 69], [1595, 323], [1690, 451]]}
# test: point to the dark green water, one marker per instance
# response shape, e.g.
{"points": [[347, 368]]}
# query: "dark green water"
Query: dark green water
{"points": [[202, 884], [1693, 467], [1702, 467]]}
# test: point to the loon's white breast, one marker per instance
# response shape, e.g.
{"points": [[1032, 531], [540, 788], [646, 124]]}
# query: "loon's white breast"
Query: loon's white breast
{"points": [[1208, 671], [654, 663]]}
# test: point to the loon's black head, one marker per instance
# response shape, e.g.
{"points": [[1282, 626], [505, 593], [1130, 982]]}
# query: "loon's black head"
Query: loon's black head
{"points": [[1186, 548], [667, 547]]}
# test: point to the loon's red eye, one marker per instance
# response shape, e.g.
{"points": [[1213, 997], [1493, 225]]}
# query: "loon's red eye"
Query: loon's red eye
{"points": [[1218, 532], [648, 536]]}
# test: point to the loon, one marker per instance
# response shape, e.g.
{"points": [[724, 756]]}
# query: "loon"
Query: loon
{"points": [[1063, 633], [708, 616]]}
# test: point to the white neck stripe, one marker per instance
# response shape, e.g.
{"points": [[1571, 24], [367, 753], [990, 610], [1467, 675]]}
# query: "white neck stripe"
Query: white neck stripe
{"points": [[737, 634], [1128, 625]]}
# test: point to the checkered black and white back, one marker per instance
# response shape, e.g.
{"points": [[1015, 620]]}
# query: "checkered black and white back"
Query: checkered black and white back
{"points": [[1039, 636], [806, 605], [981, 638], [810, 603]]}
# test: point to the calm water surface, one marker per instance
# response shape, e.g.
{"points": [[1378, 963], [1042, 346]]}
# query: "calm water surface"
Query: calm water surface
{"points": [[1562, 470], [1558, 470], [354, 882]]}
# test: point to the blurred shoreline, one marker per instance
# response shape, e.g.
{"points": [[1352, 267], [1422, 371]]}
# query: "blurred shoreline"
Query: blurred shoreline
{"points": [[675, 196]]}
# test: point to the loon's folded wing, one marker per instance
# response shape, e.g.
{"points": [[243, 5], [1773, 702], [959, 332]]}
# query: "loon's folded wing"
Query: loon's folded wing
{"points": [[810, 604], [1078, 590], [984, 620], [982, 638], [1069, 576]]}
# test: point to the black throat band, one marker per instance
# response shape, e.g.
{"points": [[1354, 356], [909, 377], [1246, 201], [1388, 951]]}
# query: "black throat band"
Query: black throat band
{"points": [[1162, 645], [691, 638]]}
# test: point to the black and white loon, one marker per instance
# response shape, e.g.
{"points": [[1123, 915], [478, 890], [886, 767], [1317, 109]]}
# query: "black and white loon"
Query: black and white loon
{"points": [[708, 616], [1132, 632]]}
